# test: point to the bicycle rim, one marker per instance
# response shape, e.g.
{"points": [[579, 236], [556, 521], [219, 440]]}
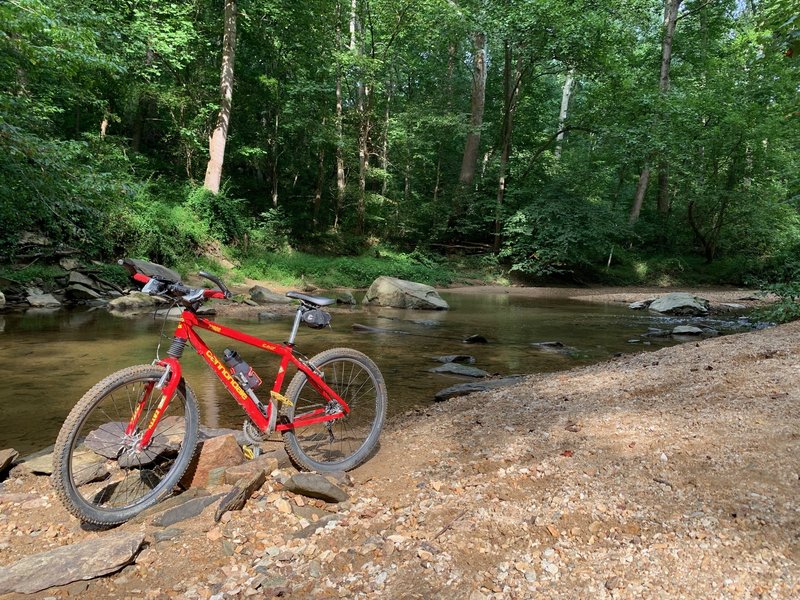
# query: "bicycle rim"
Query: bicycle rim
{"points": [[343, 443], [104, 479]]}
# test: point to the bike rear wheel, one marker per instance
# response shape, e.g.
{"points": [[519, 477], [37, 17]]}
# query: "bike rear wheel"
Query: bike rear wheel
{"points": [[344, 443], [97, 472]]}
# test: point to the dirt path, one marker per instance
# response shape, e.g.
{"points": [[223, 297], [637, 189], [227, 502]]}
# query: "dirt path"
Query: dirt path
{"points": [[671, 474]]}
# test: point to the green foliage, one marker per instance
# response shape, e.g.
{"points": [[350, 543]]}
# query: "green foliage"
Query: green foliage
{"points": [[787, 308], [726, 129], [226, 219], [354, 272], [31, 274], [270, 232], [558, 235]]}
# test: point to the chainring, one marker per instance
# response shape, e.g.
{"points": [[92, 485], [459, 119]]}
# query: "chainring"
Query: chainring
{"points": [[252, 434]]}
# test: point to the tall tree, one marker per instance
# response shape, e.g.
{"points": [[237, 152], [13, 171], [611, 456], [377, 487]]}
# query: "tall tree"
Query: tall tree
{"points": [[477, 105], [219, 137], [671, 8]]}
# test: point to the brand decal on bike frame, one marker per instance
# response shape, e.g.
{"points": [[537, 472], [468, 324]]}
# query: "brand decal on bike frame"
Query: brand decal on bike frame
{"points": [[271, 347], [158, 411], [215, 328], [224, 373]]}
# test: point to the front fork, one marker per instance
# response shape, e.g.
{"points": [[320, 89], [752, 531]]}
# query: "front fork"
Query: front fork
{"points": [[166, 385]]}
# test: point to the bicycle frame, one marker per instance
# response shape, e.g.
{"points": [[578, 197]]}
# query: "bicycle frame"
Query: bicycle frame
{"points": [[185, 332]]}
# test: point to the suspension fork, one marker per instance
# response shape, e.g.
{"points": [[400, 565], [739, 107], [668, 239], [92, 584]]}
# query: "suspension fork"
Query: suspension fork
{"points": [[166, 385]]}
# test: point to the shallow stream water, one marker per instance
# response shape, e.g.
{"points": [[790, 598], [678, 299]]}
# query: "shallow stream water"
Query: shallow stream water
{"points": [[50, 358]]}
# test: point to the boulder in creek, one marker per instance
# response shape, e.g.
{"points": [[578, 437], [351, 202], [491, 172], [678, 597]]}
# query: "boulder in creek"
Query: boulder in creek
{"points": [[680, 303], [687, 330], [37, 299], [2, 300], [464, 359], [132, 302], [261, 295], [399, 293], [77, 291], [458, 369]]}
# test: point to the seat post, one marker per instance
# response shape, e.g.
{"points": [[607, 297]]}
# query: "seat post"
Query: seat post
{"points": [[295, 326]]}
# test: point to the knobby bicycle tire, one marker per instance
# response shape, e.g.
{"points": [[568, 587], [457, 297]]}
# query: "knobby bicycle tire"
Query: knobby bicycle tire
{"points": [[345, 443], [97, 474]]}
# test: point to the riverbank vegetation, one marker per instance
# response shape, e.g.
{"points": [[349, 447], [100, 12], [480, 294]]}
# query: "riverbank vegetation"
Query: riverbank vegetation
{"points": [[654, 142]]}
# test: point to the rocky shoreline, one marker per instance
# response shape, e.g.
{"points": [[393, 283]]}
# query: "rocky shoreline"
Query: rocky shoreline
{"points": [[667, 474]]}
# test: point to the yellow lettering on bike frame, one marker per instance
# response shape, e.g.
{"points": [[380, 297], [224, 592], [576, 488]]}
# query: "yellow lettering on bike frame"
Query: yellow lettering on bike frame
{"points": [[157, 412], [226, 374]]}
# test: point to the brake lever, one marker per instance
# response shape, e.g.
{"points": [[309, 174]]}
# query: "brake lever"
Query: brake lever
{"points": [[213, 278]]}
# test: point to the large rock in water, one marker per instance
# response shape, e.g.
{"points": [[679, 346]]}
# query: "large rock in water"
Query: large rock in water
{"points": [[399, 293], [262, 295], [680, 303]]}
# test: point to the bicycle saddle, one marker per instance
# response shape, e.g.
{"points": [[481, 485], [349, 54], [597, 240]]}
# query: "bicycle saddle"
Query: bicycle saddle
{"points": [[314, 300]]}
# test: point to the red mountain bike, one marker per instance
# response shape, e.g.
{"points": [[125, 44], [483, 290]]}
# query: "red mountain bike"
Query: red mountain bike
{"points": [[128, 441]]}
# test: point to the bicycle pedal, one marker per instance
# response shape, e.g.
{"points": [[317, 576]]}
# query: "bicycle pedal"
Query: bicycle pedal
{"points": [[281, 398]]}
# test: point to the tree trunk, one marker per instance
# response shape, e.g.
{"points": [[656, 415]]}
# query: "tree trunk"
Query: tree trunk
{"points": [[472, 144], [641, 190], [670, 20], [274, 195], [385, 144], [219, 137], [511, 83], [340, 180], [320, 183], [362, 97], [566, 94]]}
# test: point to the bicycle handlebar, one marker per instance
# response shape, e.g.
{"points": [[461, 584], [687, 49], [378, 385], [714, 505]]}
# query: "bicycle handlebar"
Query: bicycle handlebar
{"points": [[187, 294]]}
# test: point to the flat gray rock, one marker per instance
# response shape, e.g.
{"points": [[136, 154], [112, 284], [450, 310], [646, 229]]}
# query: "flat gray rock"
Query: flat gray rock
{"points": [[39, 463], [463, 389], [687, 330], [240, 494], [315, 486], [92, 558], [43, 301], [184, 511], [465, 359], [457, 369]]}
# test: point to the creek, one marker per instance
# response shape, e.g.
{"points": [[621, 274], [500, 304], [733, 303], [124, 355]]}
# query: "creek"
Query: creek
{"points": [[51, 358]]}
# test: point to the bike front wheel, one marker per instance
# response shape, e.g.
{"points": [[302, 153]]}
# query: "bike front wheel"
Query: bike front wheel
{"points": [[98, 472], [344, 443]]}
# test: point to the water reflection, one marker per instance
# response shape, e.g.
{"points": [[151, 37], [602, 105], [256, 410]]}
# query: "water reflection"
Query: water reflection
{"points": [[52, 357]]}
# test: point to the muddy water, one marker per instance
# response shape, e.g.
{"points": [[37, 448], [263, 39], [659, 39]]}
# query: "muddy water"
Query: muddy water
{"points": [[51, 358]]}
